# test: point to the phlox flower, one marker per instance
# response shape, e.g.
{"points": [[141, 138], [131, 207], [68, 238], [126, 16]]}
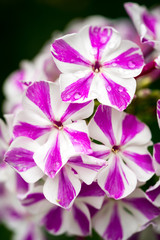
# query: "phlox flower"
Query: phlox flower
{"points": [[125, 141], [41, 68], [147, 23], [49, 139], [61, 188], [11, 180], [24, 224], [97, 63], [54, 124], [118, 220], [73, 221]]}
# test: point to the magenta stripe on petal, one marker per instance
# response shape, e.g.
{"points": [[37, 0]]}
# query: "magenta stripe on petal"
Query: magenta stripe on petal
{"points": [[53, 220], [53, 161], [29, 130], [32, 198], [66, 191], [13, 214], [144, 206], [158, 110], [114, 183], [150, 21], [82, 220], [117, 94], [130, 128], [63, 52], [127, 60], [80, 140], [92, 190], [77, 161], [157, 152], [99, 38], [103, 119], [142, 160], [30, 235], [78, 90], [21, 186], [72, 108], [153, 194], [39, 94], [20, 158], [114, 229], [100, 154]]}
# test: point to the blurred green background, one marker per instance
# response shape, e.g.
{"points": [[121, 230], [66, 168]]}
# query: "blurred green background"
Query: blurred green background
{"points": [[26, 25]]}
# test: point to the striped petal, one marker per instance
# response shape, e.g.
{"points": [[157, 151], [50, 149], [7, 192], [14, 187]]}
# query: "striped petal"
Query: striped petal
{"points": [[118, 91], [86, 167], [153, 194], [134, 131], [140, 162], [127, 61], [146, 23], [156, 158], [92, 195], [134, 212], [101, 128], [158, 112], [20, 157], [117, 180], [63, 189]]}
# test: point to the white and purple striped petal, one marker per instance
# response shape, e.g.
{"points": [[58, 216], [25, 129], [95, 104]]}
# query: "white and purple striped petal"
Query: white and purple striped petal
{"points": [[20, 157], [158, 112], [63, 189], [156, 158], [153, 194], [86, 167], [133, 212], [146, 23], [117, 180]]}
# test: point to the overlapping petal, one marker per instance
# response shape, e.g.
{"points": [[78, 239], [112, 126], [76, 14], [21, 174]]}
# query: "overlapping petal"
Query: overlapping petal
{"points": [[133, 212], [20, 157], [146, 23]]}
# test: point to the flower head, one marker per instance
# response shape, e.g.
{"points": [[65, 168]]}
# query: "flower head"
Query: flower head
{"points": [[125, 141], [97, 63]]}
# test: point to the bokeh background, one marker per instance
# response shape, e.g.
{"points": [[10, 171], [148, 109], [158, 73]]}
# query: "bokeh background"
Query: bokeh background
{"points": [[26, 25]]}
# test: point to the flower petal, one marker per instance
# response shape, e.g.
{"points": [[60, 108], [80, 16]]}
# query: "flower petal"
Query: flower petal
{"points": [[134, 131], [100, 127], [76, 89], [153, 194], [78, 135], [87, 172], [76, 111], [156, 158], [63, 189], [158, 112], [145, 22], [118, 92], [20, 156], [140, 162], [117, 180], [39, 94], [127, 61]]}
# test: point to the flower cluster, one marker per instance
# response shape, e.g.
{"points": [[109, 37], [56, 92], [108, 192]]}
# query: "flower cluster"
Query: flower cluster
{"points": [[72, 160]]}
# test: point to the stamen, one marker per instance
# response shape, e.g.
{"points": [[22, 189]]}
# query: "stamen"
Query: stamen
{"points": [[58, 125], [115, 149], [96, 67]]}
